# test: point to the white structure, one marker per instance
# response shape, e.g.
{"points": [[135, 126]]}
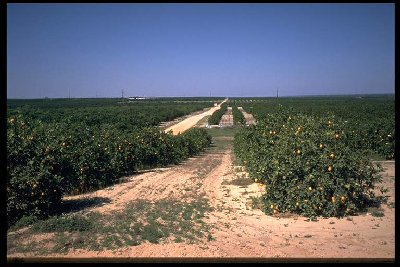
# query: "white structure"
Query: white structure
{"points": [[136, 98]]}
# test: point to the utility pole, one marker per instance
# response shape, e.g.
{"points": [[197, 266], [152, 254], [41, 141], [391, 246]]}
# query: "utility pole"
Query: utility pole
{"points": [[122, 93], [276, 92], [69, 93]]}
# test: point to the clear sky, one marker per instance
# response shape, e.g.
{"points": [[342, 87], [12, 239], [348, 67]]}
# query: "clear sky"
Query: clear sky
{"points": [[89, 50]]}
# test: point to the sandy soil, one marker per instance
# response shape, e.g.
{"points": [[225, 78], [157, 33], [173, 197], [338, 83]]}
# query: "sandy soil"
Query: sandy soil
{"points": [[189, 122], [164, 125], [238, 229], [227, 118], [248, 117]]}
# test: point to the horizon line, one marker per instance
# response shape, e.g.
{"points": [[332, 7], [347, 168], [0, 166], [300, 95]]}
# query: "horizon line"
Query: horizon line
{"points": [[152, 97]]}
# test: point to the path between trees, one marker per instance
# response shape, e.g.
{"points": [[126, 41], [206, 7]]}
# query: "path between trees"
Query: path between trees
{"points": [[237, 229], [187, 123], [227, 118], [250, 120]]}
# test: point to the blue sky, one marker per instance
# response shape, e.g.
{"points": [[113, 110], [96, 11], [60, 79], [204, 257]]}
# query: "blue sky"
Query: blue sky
{"points": [[85, 50]]}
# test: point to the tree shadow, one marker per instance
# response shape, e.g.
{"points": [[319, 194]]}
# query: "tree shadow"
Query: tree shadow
{"points": [[74, 205]]}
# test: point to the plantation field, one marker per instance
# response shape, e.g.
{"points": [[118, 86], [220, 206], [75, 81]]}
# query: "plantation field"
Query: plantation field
{"points": [[61, 146], [369, 120], [194, 119], [313, 155], [303, 182]]}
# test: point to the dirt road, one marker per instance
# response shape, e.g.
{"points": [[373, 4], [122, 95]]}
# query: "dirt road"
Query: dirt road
{"points": [[248, 117], [235, 229], [187, 123], [227, 118]]}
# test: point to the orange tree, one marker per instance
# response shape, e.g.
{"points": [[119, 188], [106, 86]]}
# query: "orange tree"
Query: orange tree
{"points": [[306, 165], [217, 115], [48, 160], [370, 120], [238, 117]]}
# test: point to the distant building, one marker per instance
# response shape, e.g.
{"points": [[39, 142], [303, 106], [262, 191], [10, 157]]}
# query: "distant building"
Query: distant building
{"points": [[137, 98]]}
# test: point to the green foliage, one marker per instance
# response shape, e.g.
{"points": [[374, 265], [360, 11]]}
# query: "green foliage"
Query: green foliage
{"points": [[376, 212], [195, 140], [238, 117], [64, 224], [217, 115], [25, 221], [139, 221], [307, 165], [46, 160], [370, 120], [94, 112]]}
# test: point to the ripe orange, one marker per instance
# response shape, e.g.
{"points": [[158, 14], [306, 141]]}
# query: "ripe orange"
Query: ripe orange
{"points": [[330, 168], [332, 156]]}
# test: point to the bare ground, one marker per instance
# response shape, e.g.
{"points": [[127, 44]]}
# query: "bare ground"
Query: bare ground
{"points": [[227, 118], [192, 120], [250, 120], [238, 229]]}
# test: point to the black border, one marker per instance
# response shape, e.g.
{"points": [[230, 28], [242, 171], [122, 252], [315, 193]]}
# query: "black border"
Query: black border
{"points": [[3, 159]]}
